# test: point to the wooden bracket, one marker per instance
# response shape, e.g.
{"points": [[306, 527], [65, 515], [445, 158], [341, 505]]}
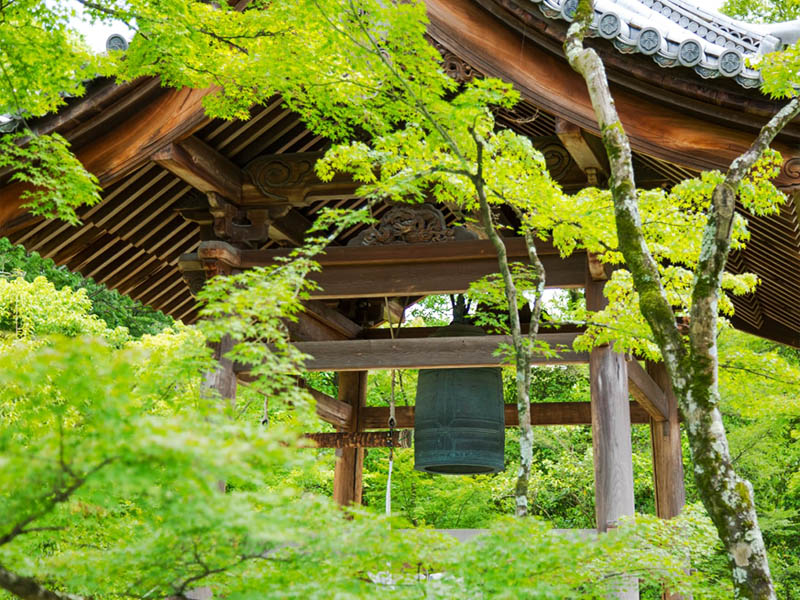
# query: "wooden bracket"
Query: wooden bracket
{"points": [[202, 167], [592, 162], [647, 392]]}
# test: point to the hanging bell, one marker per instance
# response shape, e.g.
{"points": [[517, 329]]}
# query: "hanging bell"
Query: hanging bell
{"points": [[459, 423]]}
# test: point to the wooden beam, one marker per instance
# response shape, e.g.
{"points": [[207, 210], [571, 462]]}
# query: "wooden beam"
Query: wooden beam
{"points": [[332, 317], [592, 163], [332, 410], [425, 353], [542, 413], [202, 167], [424, 332], [361, 439], [347, 477], [405, 269], [647, 392]]}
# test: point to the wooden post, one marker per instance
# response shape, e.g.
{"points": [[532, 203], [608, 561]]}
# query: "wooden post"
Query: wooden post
{"points": [[611, 430], [665, 437], [347, 483], [222, 378]]}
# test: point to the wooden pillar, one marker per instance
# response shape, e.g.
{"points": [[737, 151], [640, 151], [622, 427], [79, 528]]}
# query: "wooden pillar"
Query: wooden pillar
{"points": [[611, 430], [223, 378], [347, 482], [665, 438]]}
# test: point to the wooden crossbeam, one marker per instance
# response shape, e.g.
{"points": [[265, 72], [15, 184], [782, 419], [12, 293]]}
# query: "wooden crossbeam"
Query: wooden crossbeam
{"points": [[405, 269], [361, 439], [647, 392], [542, 413], [426, 353]]}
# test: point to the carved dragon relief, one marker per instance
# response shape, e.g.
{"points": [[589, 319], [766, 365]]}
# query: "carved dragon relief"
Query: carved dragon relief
{"points": [[410, 224]]}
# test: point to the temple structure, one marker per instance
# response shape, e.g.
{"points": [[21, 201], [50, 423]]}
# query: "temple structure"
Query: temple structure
{"points": [[186, 197]]}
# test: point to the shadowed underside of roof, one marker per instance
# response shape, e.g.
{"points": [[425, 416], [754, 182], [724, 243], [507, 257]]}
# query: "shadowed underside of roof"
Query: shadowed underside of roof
{"points": [[133, 240]]}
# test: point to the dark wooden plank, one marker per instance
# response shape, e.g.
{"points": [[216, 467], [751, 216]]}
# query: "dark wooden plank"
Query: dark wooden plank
{"points": [[460, 250], [361, 439], [405, 269], [333, 318], [332, 410], [542, 414], [423, 332], [425, 279]]}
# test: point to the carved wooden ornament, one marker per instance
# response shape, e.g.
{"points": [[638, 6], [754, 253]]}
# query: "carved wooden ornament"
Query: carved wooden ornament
{"points": [[410, 224]]}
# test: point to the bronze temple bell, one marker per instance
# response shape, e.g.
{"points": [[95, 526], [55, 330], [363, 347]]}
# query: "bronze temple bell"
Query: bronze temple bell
{"points": [[459, 424]]}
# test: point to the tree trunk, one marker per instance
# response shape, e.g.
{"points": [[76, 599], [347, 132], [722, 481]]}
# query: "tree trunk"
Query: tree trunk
{"points": [[693, 369], [522, 351]]}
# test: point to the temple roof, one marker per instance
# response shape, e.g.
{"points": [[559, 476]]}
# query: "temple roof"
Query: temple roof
{"points": [[151, 216], [676, 33]]}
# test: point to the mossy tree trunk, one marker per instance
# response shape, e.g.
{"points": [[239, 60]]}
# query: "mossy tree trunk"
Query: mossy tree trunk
{"points": [[523, 347], [692, 361]]}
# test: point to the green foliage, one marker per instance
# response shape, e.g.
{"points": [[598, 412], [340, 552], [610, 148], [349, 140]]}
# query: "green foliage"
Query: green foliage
{"points": [[762, 11], [111, 307], [30, 309], [42, 62], [56, 180]]}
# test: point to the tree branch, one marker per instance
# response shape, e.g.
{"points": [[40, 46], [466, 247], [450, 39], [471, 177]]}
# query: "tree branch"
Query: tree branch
{"points": [[57, 496], [653, 301], [28, 588]]}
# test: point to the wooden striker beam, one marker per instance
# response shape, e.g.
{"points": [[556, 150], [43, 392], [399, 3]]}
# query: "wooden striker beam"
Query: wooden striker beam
{"points": [[361, 439]]}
